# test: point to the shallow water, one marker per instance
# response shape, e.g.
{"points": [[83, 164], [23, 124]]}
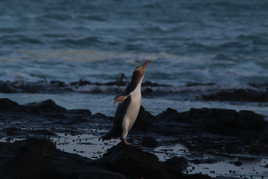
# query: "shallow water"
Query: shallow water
{"points": [[88, 145], [104, 103]]}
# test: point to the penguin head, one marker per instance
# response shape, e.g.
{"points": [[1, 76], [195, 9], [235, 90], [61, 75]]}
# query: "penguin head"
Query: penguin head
{"points": [[139, 73], [142, 68]]}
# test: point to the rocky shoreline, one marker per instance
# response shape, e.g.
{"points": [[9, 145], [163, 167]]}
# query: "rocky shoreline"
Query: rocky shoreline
{"points": [[39, 159], [194, 91], [203, 130], [209, 131]]}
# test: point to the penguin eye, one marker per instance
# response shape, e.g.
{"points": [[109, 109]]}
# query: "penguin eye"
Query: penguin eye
{"points": [[137, 68]]}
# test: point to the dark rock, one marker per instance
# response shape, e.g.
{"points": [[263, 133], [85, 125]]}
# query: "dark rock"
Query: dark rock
{"points": [[169, 114], [264, 137], [33, 87], [226, 122], [220, 121], [121, 82], [144, 120], [198, 176], [246, 95], [100, 116], [200, 161], [12, 131], [259, 85], [29, 88], [61, 86], [5, 87], [58, 83], [96, 90], [135, 163], [259, 148], [153, 84], [232, 148], [237, 163], [39, 159], [115, 83], [199, 84], [178, 163], [8, 105], [46, 110], [149, 142], [45, 106], [82, 112], [147, 91], [211, 130], [80, 83], [29, 159], [43, 132]]}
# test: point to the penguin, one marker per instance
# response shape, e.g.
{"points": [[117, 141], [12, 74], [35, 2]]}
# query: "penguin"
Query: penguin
{"points": [[128, 107]]}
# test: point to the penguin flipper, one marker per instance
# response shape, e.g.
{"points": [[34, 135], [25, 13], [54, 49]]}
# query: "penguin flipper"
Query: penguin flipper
{"points": [[116, 130]]}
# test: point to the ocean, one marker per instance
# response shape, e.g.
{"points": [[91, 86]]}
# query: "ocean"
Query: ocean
{"points": [[74, 51], [190, 41]]}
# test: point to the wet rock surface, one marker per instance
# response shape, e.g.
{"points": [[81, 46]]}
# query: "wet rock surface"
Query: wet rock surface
{"points": [[203, 131], [45, 110], [75, 86], [191, 91], [149, 142], [39, 159], [144, 120], [177, 163], [241, 95], [207, 130], [213, 130], [44, 107]]}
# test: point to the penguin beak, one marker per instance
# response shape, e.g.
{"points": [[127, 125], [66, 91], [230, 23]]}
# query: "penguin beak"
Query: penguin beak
{"points": [[144, 66]]}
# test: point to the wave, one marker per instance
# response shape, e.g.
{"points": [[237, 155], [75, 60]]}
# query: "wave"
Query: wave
{"points": [[93, 17], [73, 64], [86, 41], [256, 39], [56, 16], [8, 30], [224, 57], [224, 5], [189, 92], [231, 46], [19, 40]]}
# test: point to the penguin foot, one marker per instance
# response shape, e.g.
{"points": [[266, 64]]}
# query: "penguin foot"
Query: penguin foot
{"points": [[125, 142]]}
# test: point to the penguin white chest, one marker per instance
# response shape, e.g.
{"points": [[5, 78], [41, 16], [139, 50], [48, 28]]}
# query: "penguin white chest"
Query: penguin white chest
{"points": [[133, 108]]}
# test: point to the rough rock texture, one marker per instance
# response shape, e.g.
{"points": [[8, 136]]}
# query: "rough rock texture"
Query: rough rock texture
{"points": [[177, 163], [45, 110], [206, 130], [169, 114], [243, 95], [61, 86], [149, 142], [45, 106], [211, 130], [14, 131], [144, 120], [7, 105], [219, 121], [39, 159], [135, 163]]}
